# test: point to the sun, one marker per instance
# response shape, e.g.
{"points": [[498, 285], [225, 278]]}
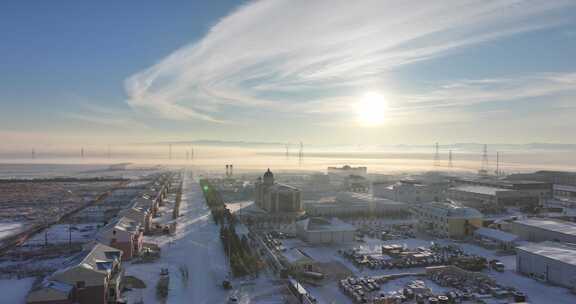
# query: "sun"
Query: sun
{"points": [[371, 109]]}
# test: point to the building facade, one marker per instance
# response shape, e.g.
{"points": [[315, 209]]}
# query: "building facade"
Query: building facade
{"points": [[275, 197], [550, 262], [318, 230], [447, 220], [544, 229]]}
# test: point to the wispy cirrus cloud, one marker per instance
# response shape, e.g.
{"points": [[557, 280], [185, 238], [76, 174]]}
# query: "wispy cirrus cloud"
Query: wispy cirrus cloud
{"points": [[475, 91], [106, 117], [310, 56]]}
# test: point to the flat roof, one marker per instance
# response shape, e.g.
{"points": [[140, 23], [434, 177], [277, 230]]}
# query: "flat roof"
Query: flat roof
{"points": [[496, 234], [550, 224], [565, 253], [479, 189]]}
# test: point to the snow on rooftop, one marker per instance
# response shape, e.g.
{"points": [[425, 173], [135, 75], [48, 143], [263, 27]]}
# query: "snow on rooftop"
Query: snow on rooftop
{"points": [[550, 224], [8, 229], [496, 234], [562, 252], [479, 189], [322, 224]]}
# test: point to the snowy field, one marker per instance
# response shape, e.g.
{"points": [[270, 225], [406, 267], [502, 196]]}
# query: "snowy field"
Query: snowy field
{"points": [[63, 233]]}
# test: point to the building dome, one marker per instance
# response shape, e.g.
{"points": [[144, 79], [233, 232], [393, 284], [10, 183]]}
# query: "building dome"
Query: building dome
{"points": [[268, 177]]}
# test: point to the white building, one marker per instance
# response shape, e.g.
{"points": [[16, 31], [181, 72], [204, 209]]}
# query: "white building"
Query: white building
{"points": [[322, 230], [544, 229], [550, 262]]}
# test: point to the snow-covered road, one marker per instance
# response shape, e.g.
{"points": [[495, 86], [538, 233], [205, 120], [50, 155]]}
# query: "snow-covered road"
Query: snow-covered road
{"points": [[196, 247]]}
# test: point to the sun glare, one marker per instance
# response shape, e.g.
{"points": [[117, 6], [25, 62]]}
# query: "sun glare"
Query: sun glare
{"points": [[371, 110]]}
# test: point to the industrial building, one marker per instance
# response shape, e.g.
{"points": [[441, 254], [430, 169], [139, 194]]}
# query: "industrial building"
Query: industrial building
{"points": [[550, 262], [411, 191], [317, 230], [351, 204], [447, 220], [347, 170], [493, 195], [275, 197], [544, 229]]}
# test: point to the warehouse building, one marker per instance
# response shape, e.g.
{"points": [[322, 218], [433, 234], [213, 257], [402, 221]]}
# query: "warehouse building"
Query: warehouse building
{"points": [[351, 204], [550, 262], [322, 230], [411, 191], [544, 229]]}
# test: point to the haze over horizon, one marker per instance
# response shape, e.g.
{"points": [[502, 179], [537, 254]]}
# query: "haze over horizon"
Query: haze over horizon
{"points": [[322, 72]]}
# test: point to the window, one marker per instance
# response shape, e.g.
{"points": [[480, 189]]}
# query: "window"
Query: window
{"points": [[80, 284]]}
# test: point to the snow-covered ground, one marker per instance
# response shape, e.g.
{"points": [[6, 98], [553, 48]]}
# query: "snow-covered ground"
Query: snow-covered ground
{"points": [[537, 292], [15, 291], [63, 233], [196, 246], [8, 229]]}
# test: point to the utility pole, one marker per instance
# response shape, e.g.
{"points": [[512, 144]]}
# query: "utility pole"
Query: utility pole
{"points": [[108, 153], [33, 153], [436, 155], [170, 151], [82, 152], [287, 151]]}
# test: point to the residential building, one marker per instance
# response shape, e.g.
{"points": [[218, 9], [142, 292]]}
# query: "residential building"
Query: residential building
{"points": [[93, 277], [447, 219], [124, 234]]}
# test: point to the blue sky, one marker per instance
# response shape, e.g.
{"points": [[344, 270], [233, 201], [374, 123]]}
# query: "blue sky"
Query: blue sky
{"points": [[279, 70]]}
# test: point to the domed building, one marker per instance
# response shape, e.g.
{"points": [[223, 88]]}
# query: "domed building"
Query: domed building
{"points": [[275, 197]]}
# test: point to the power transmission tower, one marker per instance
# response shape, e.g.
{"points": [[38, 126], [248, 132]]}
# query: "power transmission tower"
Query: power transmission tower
{"points": [[108, 152], [287, 151], [33, 153], [170, 151], [301, 153], [436, 155], [82, 152], [450, 159], [484, 165]]}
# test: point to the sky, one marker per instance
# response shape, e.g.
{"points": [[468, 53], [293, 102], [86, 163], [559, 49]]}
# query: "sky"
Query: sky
{"points": [[324, 71]]}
